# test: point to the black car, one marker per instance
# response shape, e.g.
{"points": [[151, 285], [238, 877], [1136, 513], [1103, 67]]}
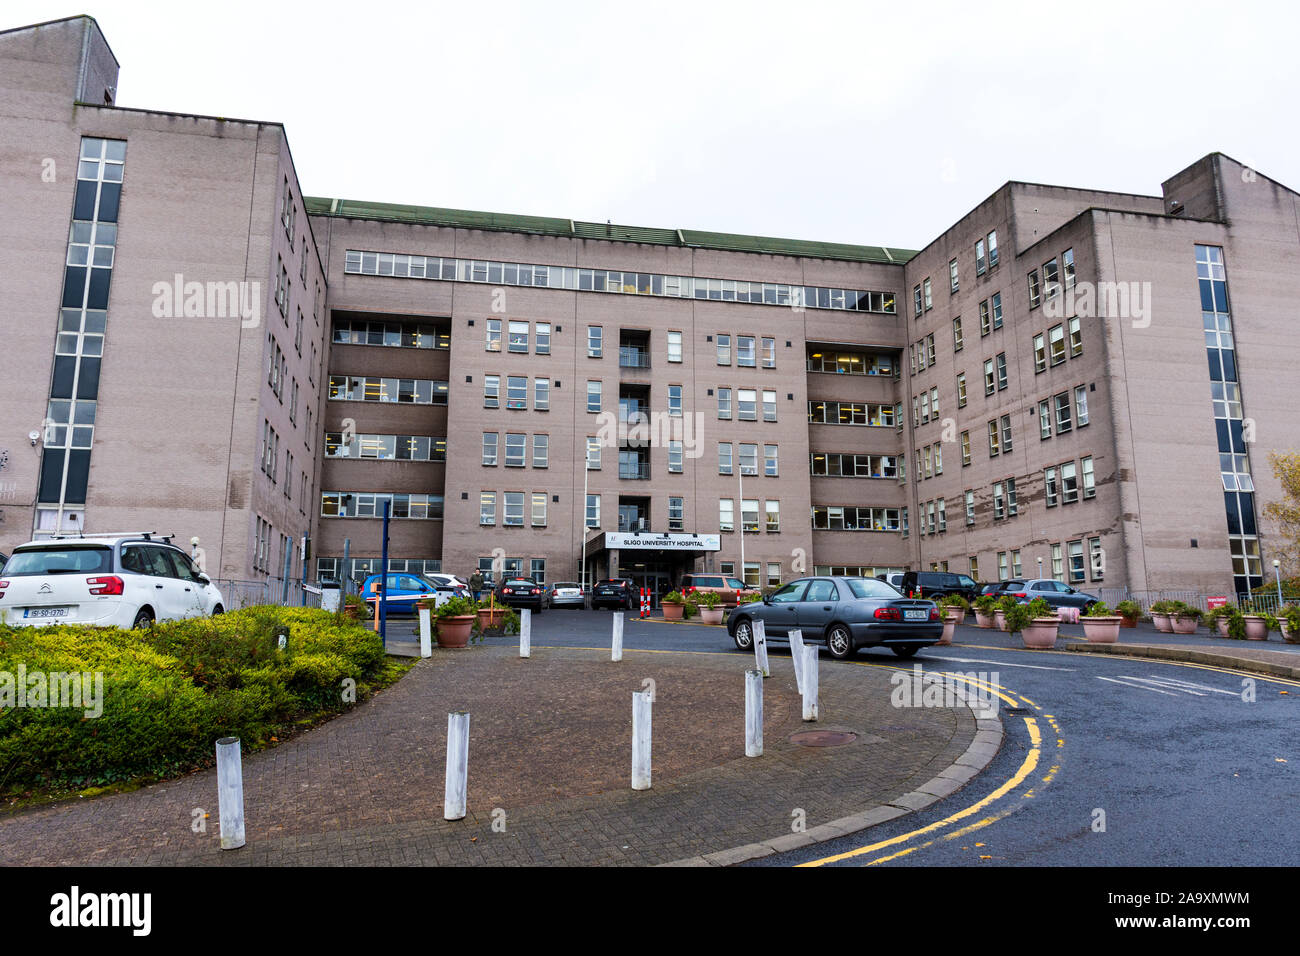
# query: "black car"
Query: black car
{"points": [[616, 592], [522, 592], [844, 613], [937, 584]]}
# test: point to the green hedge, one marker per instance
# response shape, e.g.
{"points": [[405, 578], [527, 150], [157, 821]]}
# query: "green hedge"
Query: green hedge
{"points": [[169, 692]]}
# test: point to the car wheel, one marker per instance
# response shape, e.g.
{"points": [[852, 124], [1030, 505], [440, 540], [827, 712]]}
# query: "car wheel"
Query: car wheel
{"points": [[905, 651], [143, 618], [744, 635], [839, 641]]}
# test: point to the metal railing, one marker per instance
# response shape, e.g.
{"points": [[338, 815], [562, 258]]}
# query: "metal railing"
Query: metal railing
{"points": [[242, 594], [1263, 603]]}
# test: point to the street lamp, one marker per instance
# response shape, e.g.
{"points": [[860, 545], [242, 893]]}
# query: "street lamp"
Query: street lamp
{"points": [[1277, 573]]}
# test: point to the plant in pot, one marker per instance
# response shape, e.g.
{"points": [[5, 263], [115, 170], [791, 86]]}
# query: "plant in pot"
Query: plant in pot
{"points": [[985, 605], [1100, 626], [954, 612], [1159, 612], [1218, 618], [1258, 626], [1184, 618], [710, 606], [1289, 620], [1036, 628], [674, 605], [353, 607], [456, 620], [1129, 612], [1000, 610], [490, 614]]}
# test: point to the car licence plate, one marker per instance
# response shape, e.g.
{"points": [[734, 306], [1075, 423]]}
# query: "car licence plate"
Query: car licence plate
{"points": [[921, 615], [35, 612]]}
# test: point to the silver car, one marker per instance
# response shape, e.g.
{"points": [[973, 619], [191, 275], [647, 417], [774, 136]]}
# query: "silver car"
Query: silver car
{"points": [[568, 594], [844, 613]]}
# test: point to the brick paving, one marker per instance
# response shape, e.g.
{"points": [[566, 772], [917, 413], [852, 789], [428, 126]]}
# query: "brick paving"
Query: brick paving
{"points": [[550, 750]]}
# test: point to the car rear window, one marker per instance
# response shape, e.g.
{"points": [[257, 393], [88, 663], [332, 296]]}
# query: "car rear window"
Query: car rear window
{"points": [[60, 560], [871, 588]]}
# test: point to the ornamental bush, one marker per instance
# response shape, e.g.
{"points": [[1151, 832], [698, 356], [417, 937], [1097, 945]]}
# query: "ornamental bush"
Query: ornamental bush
{"points": [[168, 692]]}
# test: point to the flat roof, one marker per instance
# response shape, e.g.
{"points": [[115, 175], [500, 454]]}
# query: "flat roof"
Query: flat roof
{"points": [[612, 232]]}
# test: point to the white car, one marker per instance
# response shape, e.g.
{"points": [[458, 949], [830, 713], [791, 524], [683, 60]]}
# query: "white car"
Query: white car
{"points": [[120, 580]]}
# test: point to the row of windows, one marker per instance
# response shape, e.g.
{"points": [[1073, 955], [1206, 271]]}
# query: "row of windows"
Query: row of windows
{"points": [[925, 407], [517, 392], [749, 515], [851, 413], [1051, 278], [852, 518], [748, 459], [390, 334], [406, 391], [520, 338], [344, 504], [601, 280], [1063, 483], [929, 461], [833, 465], [385, 447], [514, 567], [513, 505], [1061, 412], [1051, 347], [516, 450], [986, 258], [933, 516], [852, 363]]}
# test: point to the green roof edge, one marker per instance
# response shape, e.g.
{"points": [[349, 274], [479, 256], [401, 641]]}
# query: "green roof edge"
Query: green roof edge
{"points": [[548, 226]]}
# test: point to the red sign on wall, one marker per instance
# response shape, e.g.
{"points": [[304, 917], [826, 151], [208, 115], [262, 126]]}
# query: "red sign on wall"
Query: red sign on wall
{"points": [[1216, 602]]}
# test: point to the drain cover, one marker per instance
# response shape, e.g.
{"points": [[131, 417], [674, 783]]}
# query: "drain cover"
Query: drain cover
{"points": [[823, 738]]}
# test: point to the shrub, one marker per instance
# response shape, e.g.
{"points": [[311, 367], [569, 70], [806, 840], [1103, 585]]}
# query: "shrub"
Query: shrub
{"points": [[1128, 609], [1006, 603], [1098, 609], [707, 599], [749, 598], [955, 600], [986, 604], [1038, 607], [1018, 618], [457, 607], [673, 597]]}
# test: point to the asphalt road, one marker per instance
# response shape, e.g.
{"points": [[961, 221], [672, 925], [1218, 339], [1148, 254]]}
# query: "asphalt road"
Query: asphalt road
{"points": [[1106, 761]]}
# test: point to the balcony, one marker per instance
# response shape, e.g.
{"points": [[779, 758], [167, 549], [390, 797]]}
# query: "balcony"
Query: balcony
{"points": [[633, 358], [638, 470]]}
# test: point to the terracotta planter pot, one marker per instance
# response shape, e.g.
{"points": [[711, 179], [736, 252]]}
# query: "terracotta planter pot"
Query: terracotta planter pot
{"points": [[492, 619], [954, 614], [673, 612], [1101, 630], [983, 620], [1041, 633], [1287, 635], [455, 631], [1000, 620], [1161, 621], [1185, 625], [1222, 625], [1256, 628], [1128, 622], [948, 628], [711, 615]]}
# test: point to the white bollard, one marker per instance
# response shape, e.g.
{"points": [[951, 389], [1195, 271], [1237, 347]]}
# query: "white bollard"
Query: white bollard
{"points": [[525, 633], [230, 793], [796, 655], [753, 713], [760, 648], [453, 805], [810, 682], [616, 651], [426, 633], [641, 705]]}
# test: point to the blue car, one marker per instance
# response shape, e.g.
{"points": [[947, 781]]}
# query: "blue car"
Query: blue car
{"points": [[404, 591]]}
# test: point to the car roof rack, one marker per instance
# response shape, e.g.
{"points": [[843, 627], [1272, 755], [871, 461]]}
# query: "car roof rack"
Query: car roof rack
{"points": [[141, 535]]}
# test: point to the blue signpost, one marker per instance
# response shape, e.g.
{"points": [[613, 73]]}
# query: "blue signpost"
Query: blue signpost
{"points": [[383, 582]]}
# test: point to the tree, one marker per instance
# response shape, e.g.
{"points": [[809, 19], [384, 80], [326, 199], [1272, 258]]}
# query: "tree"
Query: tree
{"points": [[1285, 513]]}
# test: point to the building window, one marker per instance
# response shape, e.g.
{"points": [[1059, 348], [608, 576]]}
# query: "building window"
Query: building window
{"points": [[1097, 559], [961, 390], [539, 509], [1067, 267], [491, 391], [543, 338], [1076, 337], [1051, 279], [999, 502], [769, 406], [595, 341], [493, 342], [981, 264], [993, 249], [745, 351], [593, 453], [593, 397], [1016, 569], [541, 394], [516, 451], [952, 275], [773, 516], [1058, 569], [749, 515], [1006, 433], [1012, 508], [985, 324], [541, 451], [990, 380], [1089, 479], [675, 400], [965, 449], [1063, 420], [747, 405], [773, 574], [770, 460], [724, 458], [1044, 420], [726, 514], [929, 348], [519, 340], [995, 442], [997, 310], [925, 288], [514, 513], [1050, 487], [956, 334], [943, 515], [1034, 294], [724, 404], [1069, 484], [517, 392], [487, 508], [916, 300], [1002, 370], [970, 507], [674, 346], [1081, 405], [724, 349], [769, 353], [490, 440], [676, 514], [1076, 562], [1040, 353], [1056, 340], [1002, 566], [593, 511], [675, 457]]}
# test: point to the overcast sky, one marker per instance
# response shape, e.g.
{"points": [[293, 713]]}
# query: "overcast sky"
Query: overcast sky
{"points": [[850, 122]]}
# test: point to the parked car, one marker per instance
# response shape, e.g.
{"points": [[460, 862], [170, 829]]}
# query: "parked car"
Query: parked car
{"points": [[404, 592], [894, 578], [728, 589], [567, 594], [522, 592], [616, 592], [114, 580], [937, 584], [3, 559], [459, 585], [993, 587], [1055, 593], [844, 613]]}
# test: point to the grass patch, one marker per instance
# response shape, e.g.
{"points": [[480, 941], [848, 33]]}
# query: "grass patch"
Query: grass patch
{"points": [[171, 691]]}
